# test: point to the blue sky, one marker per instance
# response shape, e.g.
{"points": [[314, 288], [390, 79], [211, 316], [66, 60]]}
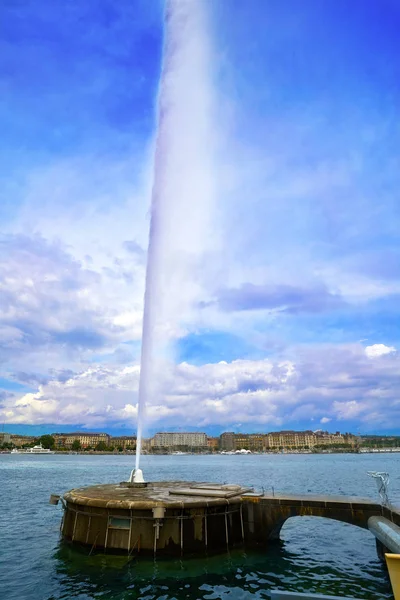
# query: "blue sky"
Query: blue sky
{"points": [[279, 276]]}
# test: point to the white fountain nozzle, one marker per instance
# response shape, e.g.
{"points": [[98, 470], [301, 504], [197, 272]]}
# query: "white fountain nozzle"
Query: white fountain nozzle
{"points": [[137, 476]]}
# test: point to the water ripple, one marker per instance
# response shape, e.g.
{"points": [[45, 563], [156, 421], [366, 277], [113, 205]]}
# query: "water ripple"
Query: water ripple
{"points": [[315, 555]]}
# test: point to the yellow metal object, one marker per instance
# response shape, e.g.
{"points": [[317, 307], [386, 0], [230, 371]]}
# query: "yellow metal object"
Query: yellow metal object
{"points": [[393, 564]]}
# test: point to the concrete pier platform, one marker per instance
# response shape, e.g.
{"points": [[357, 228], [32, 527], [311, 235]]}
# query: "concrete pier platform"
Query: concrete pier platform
{"points": [[181, 517], [163, 517]]}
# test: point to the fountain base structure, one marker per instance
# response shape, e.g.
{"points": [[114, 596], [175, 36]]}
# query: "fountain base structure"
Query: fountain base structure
{"points": [[172, 518], [180, 517]]}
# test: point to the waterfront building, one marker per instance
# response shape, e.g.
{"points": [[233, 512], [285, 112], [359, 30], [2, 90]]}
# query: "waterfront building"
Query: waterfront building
{"points": [[127, 442], [5, 438], [86, 439], [327, 439], [213, 443], [279, 440], [187, 439], [256, 442], [22, 440], [146, 444], [290, 440], [350, 438], [302, 439], [227, 441]]}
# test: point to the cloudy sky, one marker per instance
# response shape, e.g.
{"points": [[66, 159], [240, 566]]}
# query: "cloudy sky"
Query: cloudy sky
{"points": [[275, 163]]}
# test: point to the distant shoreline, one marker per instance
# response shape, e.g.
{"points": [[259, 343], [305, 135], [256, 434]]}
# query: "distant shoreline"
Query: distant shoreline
{"points": [[133, 453]]}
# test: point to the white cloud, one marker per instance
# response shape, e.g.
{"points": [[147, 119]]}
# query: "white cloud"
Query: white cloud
{"points": [[349, 410], [378, 350], [257, 212], [52, 303], [324, 384]]}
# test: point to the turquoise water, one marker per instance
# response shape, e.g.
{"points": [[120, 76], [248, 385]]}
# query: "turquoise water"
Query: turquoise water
{"points": [[314, 554]]}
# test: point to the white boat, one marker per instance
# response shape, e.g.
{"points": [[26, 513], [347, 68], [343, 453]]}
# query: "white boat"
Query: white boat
{"points": [[35, 450]]}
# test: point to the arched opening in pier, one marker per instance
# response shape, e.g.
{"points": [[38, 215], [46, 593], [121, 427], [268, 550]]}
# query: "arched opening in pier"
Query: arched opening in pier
{"points": [[329, 540], [322, 553]]}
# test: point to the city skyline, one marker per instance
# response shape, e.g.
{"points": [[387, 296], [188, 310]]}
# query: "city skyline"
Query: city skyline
{"points": [[36, 431], [281, 303], [227, 442]]}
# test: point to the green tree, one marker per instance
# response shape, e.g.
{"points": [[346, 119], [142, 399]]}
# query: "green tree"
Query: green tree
{"points": [[47, 441], [101, 446], [7, 446], [76, 445]]}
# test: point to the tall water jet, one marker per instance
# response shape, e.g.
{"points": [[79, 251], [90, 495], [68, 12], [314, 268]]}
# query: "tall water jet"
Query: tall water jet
{"points": [[182, 194]]}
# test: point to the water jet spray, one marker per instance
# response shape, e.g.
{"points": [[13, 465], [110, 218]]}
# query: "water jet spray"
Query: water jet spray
{"points": [[183, 187]]}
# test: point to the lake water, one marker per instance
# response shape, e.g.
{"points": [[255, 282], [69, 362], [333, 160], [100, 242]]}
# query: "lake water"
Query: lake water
{"points": [[314, 554]]}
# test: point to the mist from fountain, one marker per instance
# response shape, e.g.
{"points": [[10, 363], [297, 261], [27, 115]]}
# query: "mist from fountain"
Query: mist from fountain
{"points": [[182, 194]]}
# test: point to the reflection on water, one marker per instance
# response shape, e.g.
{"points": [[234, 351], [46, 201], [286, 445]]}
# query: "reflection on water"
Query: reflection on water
{"points": [[331, 566], [314, 554]]}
